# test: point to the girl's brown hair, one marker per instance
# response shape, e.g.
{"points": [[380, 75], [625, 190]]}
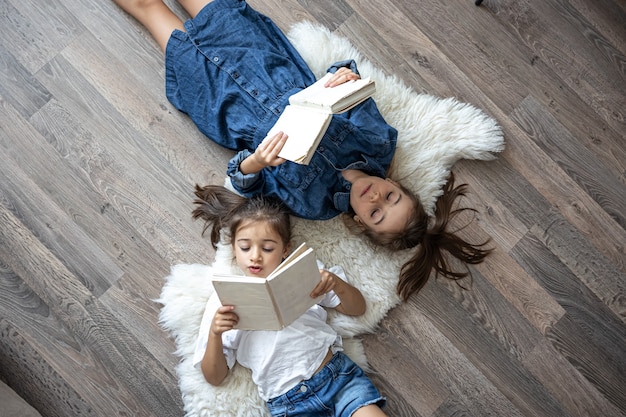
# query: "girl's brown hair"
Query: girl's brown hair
{"points": [[431, 241], [222, 208]]}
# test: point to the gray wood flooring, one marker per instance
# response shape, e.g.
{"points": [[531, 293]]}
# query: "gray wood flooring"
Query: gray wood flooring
{"points": [[97, 170]]}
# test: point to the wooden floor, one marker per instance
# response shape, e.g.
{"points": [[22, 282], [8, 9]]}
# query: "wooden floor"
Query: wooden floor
{"points": [[96, 176]]}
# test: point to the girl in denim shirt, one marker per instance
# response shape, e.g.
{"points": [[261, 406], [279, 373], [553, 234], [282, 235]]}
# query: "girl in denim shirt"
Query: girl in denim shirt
{"points": [[232, 71]]}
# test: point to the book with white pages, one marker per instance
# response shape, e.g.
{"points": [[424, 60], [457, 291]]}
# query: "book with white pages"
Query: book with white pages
{"points": [[310, 111], [274, 302]]}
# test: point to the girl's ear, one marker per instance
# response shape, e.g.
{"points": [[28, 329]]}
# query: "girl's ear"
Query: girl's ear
{"points": [[286, 250], [358, 221]]}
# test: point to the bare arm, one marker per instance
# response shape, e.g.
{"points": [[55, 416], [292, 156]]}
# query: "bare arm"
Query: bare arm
{"points": [[352, 301], [266, 154], [213, 365]]}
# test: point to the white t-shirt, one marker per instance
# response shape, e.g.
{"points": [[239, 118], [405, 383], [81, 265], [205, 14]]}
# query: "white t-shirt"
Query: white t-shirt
{"points": [[278, 359]]}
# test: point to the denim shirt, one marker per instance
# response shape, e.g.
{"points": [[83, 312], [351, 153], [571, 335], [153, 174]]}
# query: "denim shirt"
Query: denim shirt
{"points": [[318, 191], [232, 71]]}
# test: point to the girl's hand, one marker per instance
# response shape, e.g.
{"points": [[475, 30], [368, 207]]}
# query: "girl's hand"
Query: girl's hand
{"points": [[223, 320], [266, 153], [328, 283], [342, 75]]}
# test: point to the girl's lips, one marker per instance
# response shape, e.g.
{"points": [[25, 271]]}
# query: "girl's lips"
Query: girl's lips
{"points": [[365, 190], [255, 269]]}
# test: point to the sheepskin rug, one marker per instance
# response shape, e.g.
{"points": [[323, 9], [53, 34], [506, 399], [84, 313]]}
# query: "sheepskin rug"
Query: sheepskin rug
{"points": [[434, 133]]}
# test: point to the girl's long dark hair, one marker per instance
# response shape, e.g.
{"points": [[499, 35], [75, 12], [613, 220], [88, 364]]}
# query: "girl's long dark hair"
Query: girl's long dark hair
{"points": [[432, 242], [221, 208]]}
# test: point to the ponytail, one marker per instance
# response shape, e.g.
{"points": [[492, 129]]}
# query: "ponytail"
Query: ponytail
{"points": [[215, 205], [221, 208], [431, 242], [435, 241]]}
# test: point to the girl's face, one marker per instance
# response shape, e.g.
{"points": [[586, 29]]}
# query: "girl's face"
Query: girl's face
{"points": [[380, 204], [258, 248]]}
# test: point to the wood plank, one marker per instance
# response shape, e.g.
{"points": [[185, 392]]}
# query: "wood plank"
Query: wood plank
{"points": [[52, 226], [331, 15], [564, 194], [377, 51], [131, 299], [607, 17], [591, 361], [37, 32], [142, 111], [20, 358], [475, 50], [602, 331], [590, 266], [473, 389], [594, 68], [441, 77], [46, 219], [89, 321], [18, 87], [114, 171], [423, 396], [70, 376], [521, 291], [89, 208], [493, 343], [504, 199], [602, 87], [572, 156], [86, 127], [577, 394]]}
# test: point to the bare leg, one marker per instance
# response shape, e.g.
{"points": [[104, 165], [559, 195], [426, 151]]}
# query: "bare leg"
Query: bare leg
{"points": [[155, 16], [371, 410], [193, 6]]}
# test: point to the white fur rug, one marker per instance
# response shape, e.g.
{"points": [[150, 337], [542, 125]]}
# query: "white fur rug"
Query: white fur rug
{"points": [[434, 133]]}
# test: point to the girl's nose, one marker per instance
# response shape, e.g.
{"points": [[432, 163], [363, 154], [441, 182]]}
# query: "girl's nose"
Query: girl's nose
{"points": [[255, 255]]}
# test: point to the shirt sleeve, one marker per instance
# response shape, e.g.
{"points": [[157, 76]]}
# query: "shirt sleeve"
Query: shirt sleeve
{"points": [[348, 63], [230, 343], [243, 183], [213, 303], [230, 338]]}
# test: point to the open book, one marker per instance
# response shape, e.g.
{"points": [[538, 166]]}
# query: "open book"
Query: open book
{"points": [[309, 112], [274, 302]]}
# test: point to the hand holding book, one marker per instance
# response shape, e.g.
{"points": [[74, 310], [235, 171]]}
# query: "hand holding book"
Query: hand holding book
{"points": [[274, 302], [310, 111]]}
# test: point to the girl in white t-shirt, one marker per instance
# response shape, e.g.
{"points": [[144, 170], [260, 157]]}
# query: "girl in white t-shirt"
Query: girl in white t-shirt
{"points": [[300, 370]]}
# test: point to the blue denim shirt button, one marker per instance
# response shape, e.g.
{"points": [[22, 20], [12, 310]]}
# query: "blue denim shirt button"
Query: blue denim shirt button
{"points": [[255, 93], [215, 59], [235, 75], [303, 388]]}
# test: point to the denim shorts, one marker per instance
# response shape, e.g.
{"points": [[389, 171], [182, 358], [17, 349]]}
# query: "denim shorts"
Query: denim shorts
{"points": [[338, 389]]}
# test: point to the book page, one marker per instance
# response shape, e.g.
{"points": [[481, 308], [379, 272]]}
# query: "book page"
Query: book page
{"points": [[334, 99], [290, 258], [292, 287], [252, 300], [305, 128]]}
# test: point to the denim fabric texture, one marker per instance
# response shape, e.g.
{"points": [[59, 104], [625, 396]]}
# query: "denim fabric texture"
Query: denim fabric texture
{"points": [[232, 71], [338, 389]]}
